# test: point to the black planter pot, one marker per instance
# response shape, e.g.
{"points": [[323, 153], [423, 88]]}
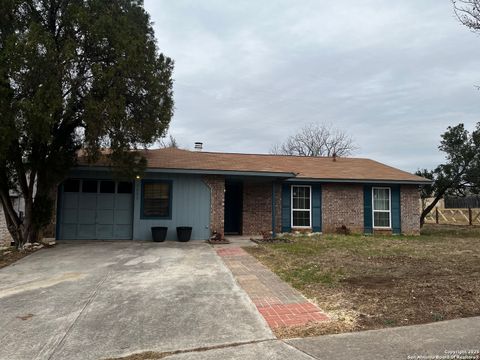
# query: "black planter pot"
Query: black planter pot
{"points": [[184, 233], [159, 233]]}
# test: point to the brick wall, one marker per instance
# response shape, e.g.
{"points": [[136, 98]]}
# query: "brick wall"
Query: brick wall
{"points": [[257, 207], [5, 237], [342, 205], [410, 209], [217, 202]]}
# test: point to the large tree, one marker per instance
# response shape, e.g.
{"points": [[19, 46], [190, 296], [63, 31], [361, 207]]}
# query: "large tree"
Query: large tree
{"points": [[316, 140], [460, 174], [468, 13], [74, 74]]}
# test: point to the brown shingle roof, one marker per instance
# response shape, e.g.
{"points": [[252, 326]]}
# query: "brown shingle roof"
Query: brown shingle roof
{"points": [[324, 168], [317, 168]]}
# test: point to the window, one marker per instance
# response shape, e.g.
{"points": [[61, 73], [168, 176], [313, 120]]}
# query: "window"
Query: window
{"points": [[89, 186], [124, 187], [107, 187], [71, 185], [381, 207], [301, 206], [156, 199]]}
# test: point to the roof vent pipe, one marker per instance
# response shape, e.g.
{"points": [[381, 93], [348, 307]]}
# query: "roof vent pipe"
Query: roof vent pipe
{"points": [[198, 146]]}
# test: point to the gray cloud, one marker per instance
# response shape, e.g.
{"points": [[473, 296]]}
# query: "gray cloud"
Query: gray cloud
{"points": [[392, 74]]}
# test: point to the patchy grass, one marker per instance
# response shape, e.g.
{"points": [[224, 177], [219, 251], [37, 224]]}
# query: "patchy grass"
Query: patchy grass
{"points": [[371, 282]]}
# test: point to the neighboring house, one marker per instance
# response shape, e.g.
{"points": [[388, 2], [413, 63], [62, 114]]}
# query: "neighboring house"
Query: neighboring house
{"points": [[238, 194]]}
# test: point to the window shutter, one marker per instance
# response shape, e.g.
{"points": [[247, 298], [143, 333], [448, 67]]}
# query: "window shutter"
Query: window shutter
{"points": [[396, 222], [316, 208], [367, 210], [286, 208]]}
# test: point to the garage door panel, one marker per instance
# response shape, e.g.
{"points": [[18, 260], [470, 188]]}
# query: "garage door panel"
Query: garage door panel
{"points": [[105, 217], [88, 201], [86, 217], [123, 217], [70, 201], [70, 216], [104, 232], [106, 201], [86, 232], [90, 216], [69, 231], [123, 232], [123, 202]]}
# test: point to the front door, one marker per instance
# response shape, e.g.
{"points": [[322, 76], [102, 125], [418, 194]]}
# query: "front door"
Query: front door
{"points": [[233, 207]]}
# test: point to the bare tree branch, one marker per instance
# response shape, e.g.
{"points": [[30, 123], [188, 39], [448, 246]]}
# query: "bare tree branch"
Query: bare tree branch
{"points": [[468, 13], [316, 140]]}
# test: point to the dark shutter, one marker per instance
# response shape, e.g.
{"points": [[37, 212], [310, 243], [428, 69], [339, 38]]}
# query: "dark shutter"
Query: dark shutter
{"points": [[395, 206], [286, 208], [316, 208], [367, 209]]}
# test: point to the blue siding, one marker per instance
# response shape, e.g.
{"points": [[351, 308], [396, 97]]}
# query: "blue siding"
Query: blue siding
{"points": [[286, 208], [316, 208], [367, 209], [190, 207], [395, 193]]}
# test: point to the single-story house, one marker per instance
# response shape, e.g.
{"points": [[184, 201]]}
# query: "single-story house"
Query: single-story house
{"points": [[230, 193]]}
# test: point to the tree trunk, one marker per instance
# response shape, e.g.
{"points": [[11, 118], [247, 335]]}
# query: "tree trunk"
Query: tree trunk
{"points": [[38, 212], [429, 208], [14, 223]]}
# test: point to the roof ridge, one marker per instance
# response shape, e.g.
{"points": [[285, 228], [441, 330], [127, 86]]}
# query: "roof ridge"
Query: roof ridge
{"points": [[260, 154]]}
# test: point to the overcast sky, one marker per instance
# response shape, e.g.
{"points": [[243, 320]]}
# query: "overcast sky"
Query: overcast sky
{"points": [[393, 74]]}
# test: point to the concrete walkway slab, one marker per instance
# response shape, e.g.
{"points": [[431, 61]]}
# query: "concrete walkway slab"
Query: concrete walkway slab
{"points": [[105, 299], [444, 339]]}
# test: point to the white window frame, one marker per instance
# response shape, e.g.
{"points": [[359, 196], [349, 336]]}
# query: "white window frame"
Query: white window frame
{"points": [[292, 209], [389, 206]]}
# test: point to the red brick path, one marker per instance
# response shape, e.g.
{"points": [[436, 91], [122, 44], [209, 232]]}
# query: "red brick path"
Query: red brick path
{"points": [[291, 314], [279, 304]]}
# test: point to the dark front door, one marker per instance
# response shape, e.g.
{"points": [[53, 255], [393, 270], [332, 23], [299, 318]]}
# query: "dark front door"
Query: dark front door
{"points": [[233, 207]]}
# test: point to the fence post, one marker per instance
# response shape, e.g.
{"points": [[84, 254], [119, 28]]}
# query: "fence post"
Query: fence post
{"points": [[436, 215], [470, 221]]}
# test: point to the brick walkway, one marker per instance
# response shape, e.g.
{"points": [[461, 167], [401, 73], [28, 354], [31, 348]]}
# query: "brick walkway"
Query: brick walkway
{"points": [[278, 302]]}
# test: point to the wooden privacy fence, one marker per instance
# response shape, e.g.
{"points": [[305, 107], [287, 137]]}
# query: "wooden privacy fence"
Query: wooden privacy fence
{"points": [[454, 216]]}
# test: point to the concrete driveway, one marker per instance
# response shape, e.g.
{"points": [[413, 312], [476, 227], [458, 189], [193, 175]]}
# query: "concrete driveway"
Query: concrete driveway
{"points": [[91, 300]]}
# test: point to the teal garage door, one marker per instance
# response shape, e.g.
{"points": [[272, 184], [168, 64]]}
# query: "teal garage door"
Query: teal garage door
{"points": [[95, 210]]}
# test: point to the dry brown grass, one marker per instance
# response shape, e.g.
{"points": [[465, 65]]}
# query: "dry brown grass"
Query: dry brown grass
{"points": [[375, 282]]}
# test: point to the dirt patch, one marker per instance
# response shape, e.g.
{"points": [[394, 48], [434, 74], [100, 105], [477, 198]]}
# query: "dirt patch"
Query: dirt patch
{"points": [[11, 255], [370, 281], [376, 282]]}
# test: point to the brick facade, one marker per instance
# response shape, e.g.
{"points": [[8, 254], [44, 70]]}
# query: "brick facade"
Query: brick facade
{"points": [[410, 209], [217, 202], [342, 205], [257, 207]]}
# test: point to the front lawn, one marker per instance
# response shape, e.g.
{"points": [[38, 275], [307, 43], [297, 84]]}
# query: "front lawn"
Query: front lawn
{"points": [[371, 282]]}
